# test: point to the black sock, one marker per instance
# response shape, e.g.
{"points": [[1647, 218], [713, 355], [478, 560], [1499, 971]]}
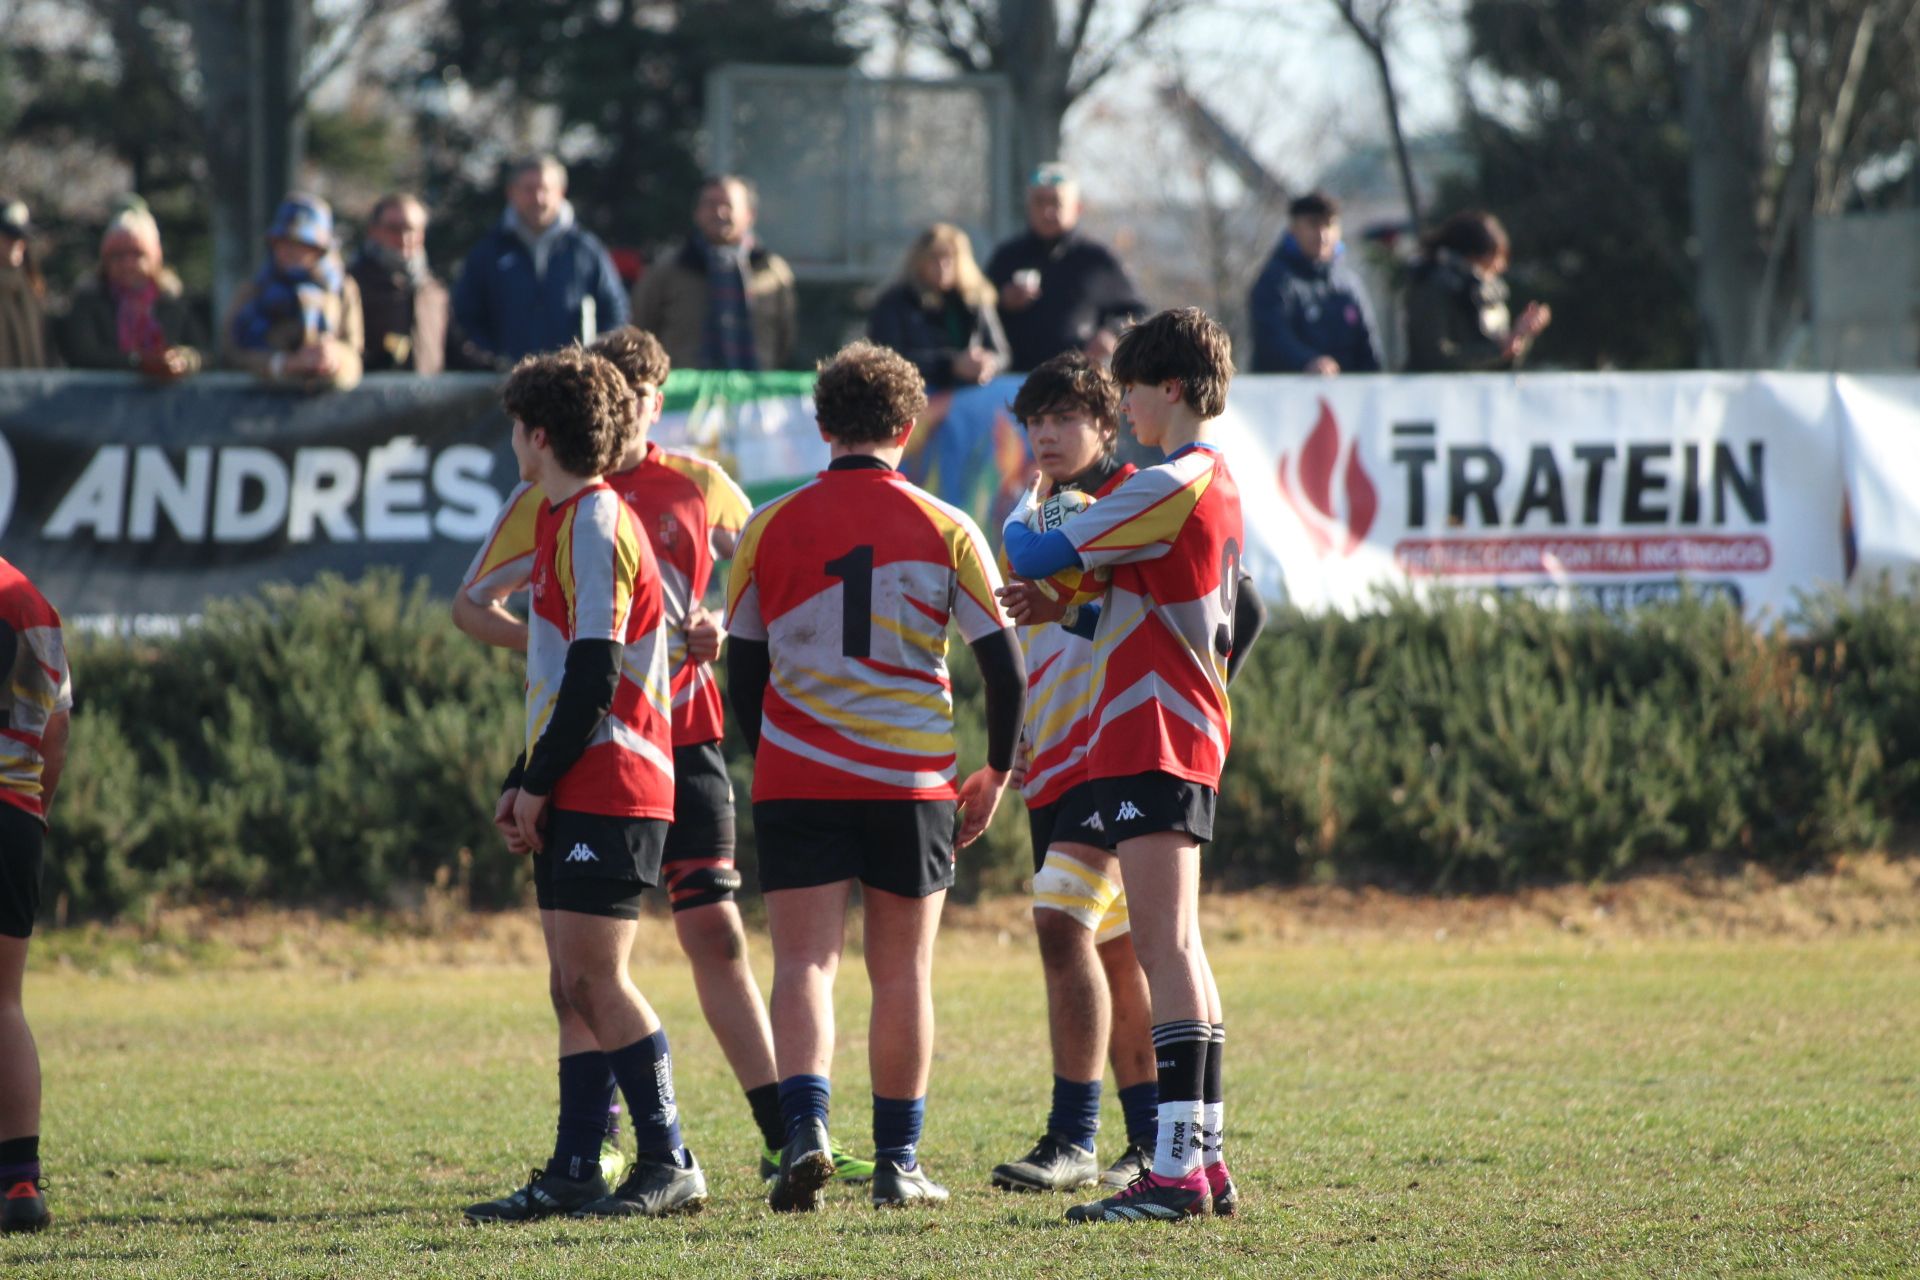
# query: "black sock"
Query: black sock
{"points": [[586, 1087], [765, 1102], [20, 1159], [1212, 1089]]}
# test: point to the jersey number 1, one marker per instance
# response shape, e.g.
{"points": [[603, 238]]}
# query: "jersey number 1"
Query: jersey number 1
{"points": [[855, 571]]}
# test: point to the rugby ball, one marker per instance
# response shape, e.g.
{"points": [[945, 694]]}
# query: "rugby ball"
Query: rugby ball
{"points": [[1071, 586]]}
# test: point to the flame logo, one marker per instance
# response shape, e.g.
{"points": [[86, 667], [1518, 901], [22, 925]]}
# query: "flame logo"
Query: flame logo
{"points": [[1308, 487]]}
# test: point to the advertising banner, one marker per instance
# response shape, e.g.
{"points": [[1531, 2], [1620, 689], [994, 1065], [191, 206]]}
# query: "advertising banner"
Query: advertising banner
{"points": [[133, 505], [130, 505], [1608, 490]]}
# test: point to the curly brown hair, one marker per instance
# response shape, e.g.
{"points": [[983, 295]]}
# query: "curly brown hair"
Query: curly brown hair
{"points": [[1067, 382], [637, 354], [865, 393], [1184, 344], [581, 401]]}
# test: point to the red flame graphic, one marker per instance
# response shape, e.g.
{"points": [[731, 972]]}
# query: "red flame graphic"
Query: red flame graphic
{"points": [[1314, 477]]}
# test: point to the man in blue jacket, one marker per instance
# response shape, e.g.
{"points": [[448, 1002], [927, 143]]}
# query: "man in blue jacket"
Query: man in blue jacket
{"points": [[539, 281], [1310, 310]]}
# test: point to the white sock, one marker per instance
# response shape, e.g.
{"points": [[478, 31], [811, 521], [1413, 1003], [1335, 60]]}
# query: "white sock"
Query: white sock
{"points": [[1212, 1141], [1176, 1150]]}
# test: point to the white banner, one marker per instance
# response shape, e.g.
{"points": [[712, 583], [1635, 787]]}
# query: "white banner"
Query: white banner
{"points": [[1882, 444], [1612, 490]]}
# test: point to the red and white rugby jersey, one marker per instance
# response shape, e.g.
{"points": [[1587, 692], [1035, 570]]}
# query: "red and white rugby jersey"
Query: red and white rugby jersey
{"points": [[36, 690], [692, 512], [505, 560], [851, 580], [1172, 536], [595, 578], [1059, 695]]}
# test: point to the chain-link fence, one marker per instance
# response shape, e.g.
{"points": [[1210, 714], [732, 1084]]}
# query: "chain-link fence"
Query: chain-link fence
{"points": [[850, 168]]}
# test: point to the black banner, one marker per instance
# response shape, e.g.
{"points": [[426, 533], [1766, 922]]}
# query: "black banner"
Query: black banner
{"points": [[130, 505]]}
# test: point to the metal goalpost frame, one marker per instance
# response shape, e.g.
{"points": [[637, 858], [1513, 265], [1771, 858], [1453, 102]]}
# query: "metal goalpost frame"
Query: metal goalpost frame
{"points": [[850, 167]]}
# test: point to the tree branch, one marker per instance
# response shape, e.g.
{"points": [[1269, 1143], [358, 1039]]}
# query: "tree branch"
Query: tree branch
{"points": [[1151, 16]]}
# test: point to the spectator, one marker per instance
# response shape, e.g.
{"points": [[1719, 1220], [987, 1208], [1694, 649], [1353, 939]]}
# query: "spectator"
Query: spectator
{"points": [[130, 312], [539, 281], [719, 300], [298, 322], [23, 292], [1457, 316], [409, 313], [1310, 310], [939, 313], [1059, 290]]}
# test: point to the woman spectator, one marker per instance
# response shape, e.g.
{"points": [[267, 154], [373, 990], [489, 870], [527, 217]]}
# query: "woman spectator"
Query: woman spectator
{"points": [[1457, 316], [940, 312], [299, 321], [23, 292], [130, 313]]}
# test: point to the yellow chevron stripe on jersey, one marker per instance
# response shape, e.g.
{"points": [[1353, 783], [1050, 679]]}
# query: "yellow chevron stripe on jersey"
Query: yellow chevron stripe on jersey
{"points": [[514, 535], [749, 545], [969, 559], [863, 727], [563, 564], [1159, 523], [1059, 719], [626, 560], [918, 639], [727, 505]]}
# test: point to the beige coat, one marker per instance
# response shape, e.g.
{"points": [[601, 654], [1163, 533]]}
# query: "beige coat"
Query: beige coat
{"points": [[346, 334], [671, 302]]}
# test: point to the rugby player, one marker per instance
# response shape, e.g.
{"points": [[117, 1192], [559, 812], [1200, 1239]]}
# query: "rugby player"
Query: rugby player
{"points": [[692, 512], [591, 797], [1171, 536], [36, 696], [837, 609]]}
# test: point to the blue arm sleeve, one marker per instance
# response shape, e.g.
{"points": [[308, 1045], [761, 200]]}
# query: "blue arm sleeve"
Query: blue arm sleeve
{"points": [[1037, 555], [1084, 624]]}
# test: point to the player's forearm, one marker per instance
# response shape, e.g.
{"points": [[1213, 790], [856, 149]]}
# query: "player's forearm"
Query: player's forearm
{"points": [[1249, 620], [1037, 555], [586, 694], [749, 669], [490, 623], [1004, 673], [53, 756]]}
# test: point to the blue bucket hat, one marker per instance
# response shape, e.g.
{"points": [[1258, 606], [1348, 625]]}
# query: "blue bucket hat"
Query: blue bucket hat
{"points": [[304, 220]]}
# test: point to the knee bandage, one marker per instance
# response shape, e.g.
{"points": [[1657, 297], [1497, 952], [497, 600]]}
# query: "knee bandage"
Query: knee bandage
{"points": [[1086, 895], [1113, 923]]}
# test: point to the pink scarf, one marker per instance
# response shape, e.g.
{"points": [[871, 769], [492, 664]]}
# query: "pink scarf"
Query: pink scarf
{"points": [[137, 329]]}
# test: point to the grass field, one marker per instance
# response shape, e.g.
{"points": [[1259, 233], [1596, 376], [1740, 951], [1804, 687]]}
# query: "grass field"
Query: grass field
{"points": [[1413, 1101]]}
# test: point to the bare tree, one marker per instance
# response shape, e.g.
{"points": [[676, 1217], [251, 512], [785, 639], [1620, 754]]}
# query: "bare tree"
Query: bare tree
{"points": [[1779, 106], [1049, 51], [1371, 24]]}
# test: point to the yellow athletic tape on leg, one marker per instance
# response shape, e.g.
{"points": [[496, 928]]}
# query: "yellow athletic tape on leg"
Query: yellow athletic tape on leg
{"points": [[1114, 922], [1075, 888]]}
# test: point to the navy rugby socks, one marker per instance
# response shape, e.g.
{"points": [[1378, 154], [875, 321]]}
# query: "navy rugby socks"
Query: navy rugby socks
{"points": [[896, 1128], [645, 1072], [1076, 1111], [586, 1090]]}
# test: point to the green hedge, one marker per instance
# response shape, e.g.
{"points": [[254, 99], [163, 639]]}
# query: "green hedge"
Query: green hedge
{"points": [[341, 745]]}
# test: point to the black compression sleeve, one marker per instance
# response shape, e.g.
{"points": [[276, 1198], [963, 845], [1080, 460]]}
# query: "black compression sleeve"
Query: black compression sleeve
{"points": [[516, 773], [749, 669], [1249, 619], [1004, 672], [586, 692]]}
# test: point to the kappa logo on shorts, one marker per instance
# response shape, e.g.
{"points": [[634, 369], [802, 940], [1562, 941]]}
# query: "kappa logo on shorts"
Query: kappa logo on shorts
{"points": [[580, 853], [1128, 812], [1093, 820]]}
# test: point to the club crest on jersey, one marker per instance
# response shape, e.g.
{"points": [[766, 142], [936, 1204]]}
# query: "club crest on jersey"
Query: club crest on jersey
{"points": [[669, 530]]}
